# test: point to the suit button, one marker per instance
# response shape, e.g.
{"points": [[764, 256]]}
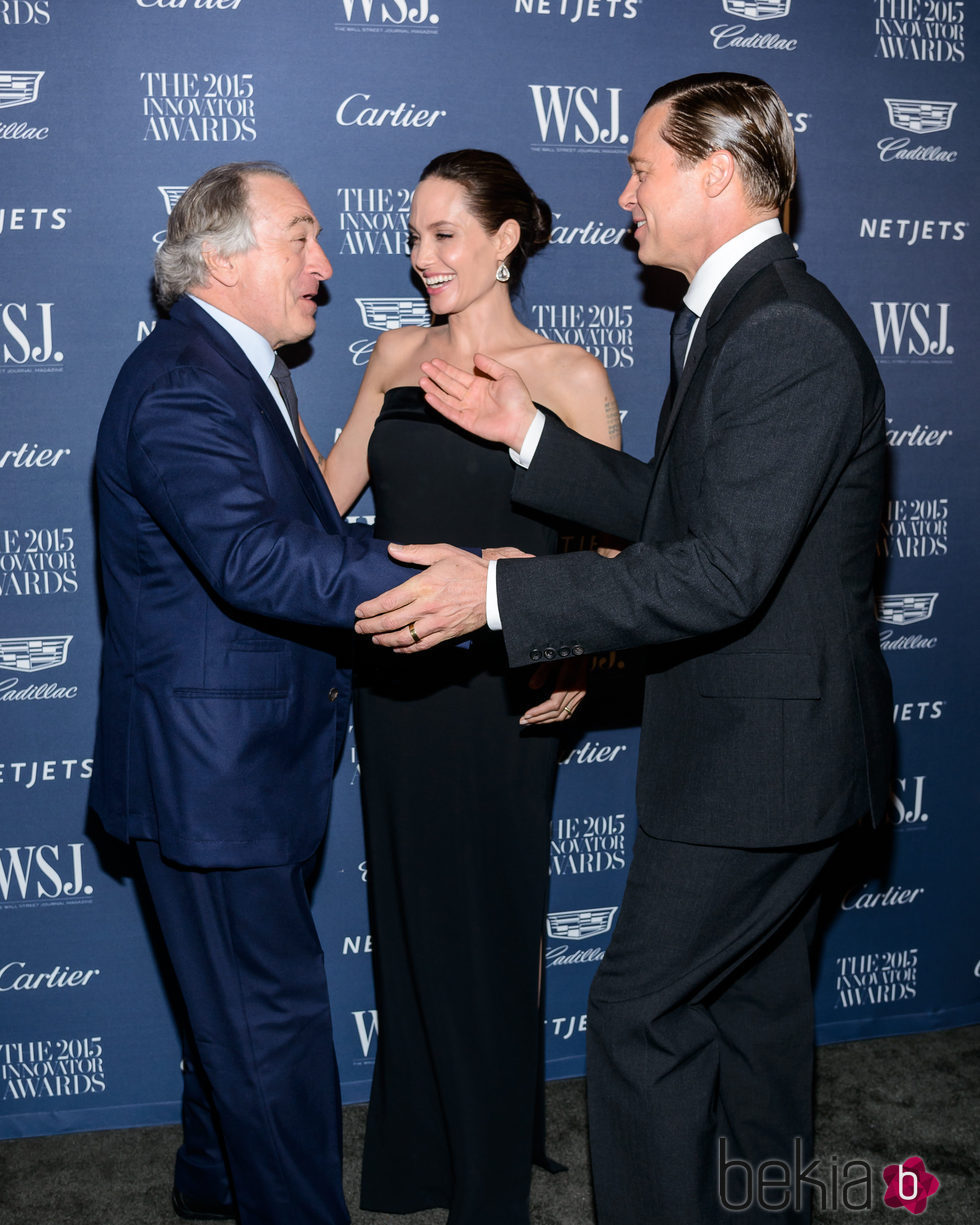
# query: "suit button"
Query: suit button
{"points": [[549, 652], [534, 655], [578, 650], [333, 695], [564, 652]]}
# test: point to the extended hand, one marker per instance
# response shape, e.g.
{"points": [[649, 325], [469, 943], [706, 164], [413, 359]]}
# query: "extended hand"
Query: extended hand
{"points": [[568, 680], [497, 408], [448, 600]]}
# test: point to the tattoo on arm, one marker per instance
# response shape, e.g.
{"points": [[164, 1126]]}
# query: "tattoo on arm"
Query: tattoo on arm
{"points": [[613, 423]]}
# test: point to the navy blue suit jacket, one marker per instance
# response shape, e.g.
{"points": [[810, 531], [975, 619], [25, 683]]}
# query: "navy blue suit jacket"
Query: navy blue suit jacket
{"points": [[230, 585]]}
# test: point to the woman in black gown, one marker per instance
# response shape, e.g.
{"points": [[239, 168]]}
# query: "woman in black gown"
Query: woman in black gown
{"points": [[457, 775]]}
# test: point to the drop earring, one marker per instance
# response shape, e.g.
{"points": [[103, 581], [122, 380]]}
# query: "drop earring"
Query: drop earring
{"points": [[503, 272]]}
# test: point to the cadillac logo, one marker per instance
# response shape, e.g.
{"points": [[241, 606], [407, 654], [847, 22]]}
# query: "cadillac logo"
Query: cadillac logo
{"points": [[170, 196], [580, 924], [19, 88], [33, 654], [906, 609], [387, 314], [757, 10], [914, 115]]}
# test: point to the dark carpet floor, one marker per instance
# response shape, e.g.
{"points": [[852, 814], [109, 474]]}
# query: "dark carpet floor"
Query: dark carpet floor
{"points": [[879, 1101]]}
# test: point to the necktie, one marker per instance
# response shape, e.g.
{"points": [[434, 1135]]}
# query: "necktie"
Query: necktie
{"points": [[680, 334], [284, 381]]}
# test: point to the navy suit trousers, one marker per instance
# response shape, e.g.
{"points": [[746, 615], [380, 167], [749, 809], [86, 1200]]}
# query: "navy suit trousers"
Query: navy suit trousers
{"points": [[248, 961]]}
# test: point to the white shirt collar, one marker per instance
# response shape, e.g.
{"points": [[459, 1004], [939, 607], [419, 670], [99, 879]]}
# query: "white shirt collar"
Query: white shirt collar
{"points": [[255, 347], [719, 263]]}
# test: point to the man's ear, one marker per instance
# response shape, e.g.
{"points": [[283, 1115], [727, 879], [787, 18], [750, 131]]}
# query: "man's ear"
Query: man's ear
{"points": [[221, 268], [719, 172]]}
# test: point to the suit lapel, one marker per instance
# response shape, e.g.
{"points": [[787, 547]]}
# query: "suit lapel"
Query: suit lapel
{"points": [[190, 314], [778, 247]]}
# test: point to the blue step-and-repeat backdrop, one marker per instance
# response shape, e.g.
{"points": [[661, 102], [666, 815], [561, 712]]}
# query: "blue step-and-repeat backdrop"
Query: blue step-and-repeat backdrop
{"points": [[110, 108]]}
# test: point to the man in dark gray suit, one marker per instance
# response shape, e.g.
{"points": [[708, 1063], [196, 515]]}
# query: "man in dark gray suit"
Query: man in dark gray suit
{"points": [[767, 721]]}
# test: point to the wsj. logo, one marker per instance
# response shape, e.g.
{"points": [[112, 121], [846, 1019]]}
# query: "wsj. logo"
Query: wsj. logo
{"points": [[912, 329], [389, 12], [907, 802], [33, 654], [757, 10], [580, 924], [906, 609], [24, 12], [29, 335], [386, 315], [39, 874], [19, 88], [578, 114], [170, 197], [920, 117], [367, 1030]]}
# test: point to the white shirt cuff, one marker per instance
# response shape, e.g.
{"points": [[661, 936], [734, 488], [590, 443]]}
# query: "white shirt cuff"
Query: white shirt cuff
{"points": [[530, 443], [493, 612]]}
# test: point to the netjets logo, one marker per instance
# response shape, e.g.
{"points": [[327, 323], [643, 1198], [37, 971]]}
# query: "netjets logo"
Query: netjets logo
{"points": [[385, 315], [757, 10], [33, 654], [906, 609], [19, 88], [916, 115], [580, 924], [584, 116]]}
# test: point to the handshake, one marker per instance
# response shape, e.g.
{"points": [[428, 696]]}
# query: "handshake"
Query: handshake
{"points": [[448, 599]]}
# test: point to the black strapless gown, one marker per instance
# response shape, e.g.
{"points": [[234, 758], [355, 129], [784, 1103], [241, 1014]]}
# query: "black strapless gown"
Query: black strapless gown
{"points": [[457, 804]]}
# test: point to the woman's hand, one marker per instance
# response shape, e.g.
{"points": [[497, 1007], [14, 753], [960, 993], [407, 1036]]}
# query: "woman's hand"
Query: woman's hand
{"points": [[567, 692]]}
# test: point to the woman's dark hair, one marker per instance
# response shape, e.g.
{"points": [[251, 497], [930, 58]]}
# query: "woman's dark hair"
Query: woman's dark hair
{"points": [[497, 193]]}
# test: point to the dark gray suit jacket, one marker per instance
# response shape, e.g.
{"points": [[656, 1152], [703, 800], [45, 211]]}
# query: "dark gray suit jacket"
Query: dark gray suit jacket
{"points": [[767, 716]]}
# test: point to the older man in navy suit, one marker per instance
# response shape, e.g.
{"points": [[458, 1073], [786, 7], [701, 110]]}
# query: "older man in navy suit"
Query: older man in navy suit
{"points": [[767, 719], [230, 581]]}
